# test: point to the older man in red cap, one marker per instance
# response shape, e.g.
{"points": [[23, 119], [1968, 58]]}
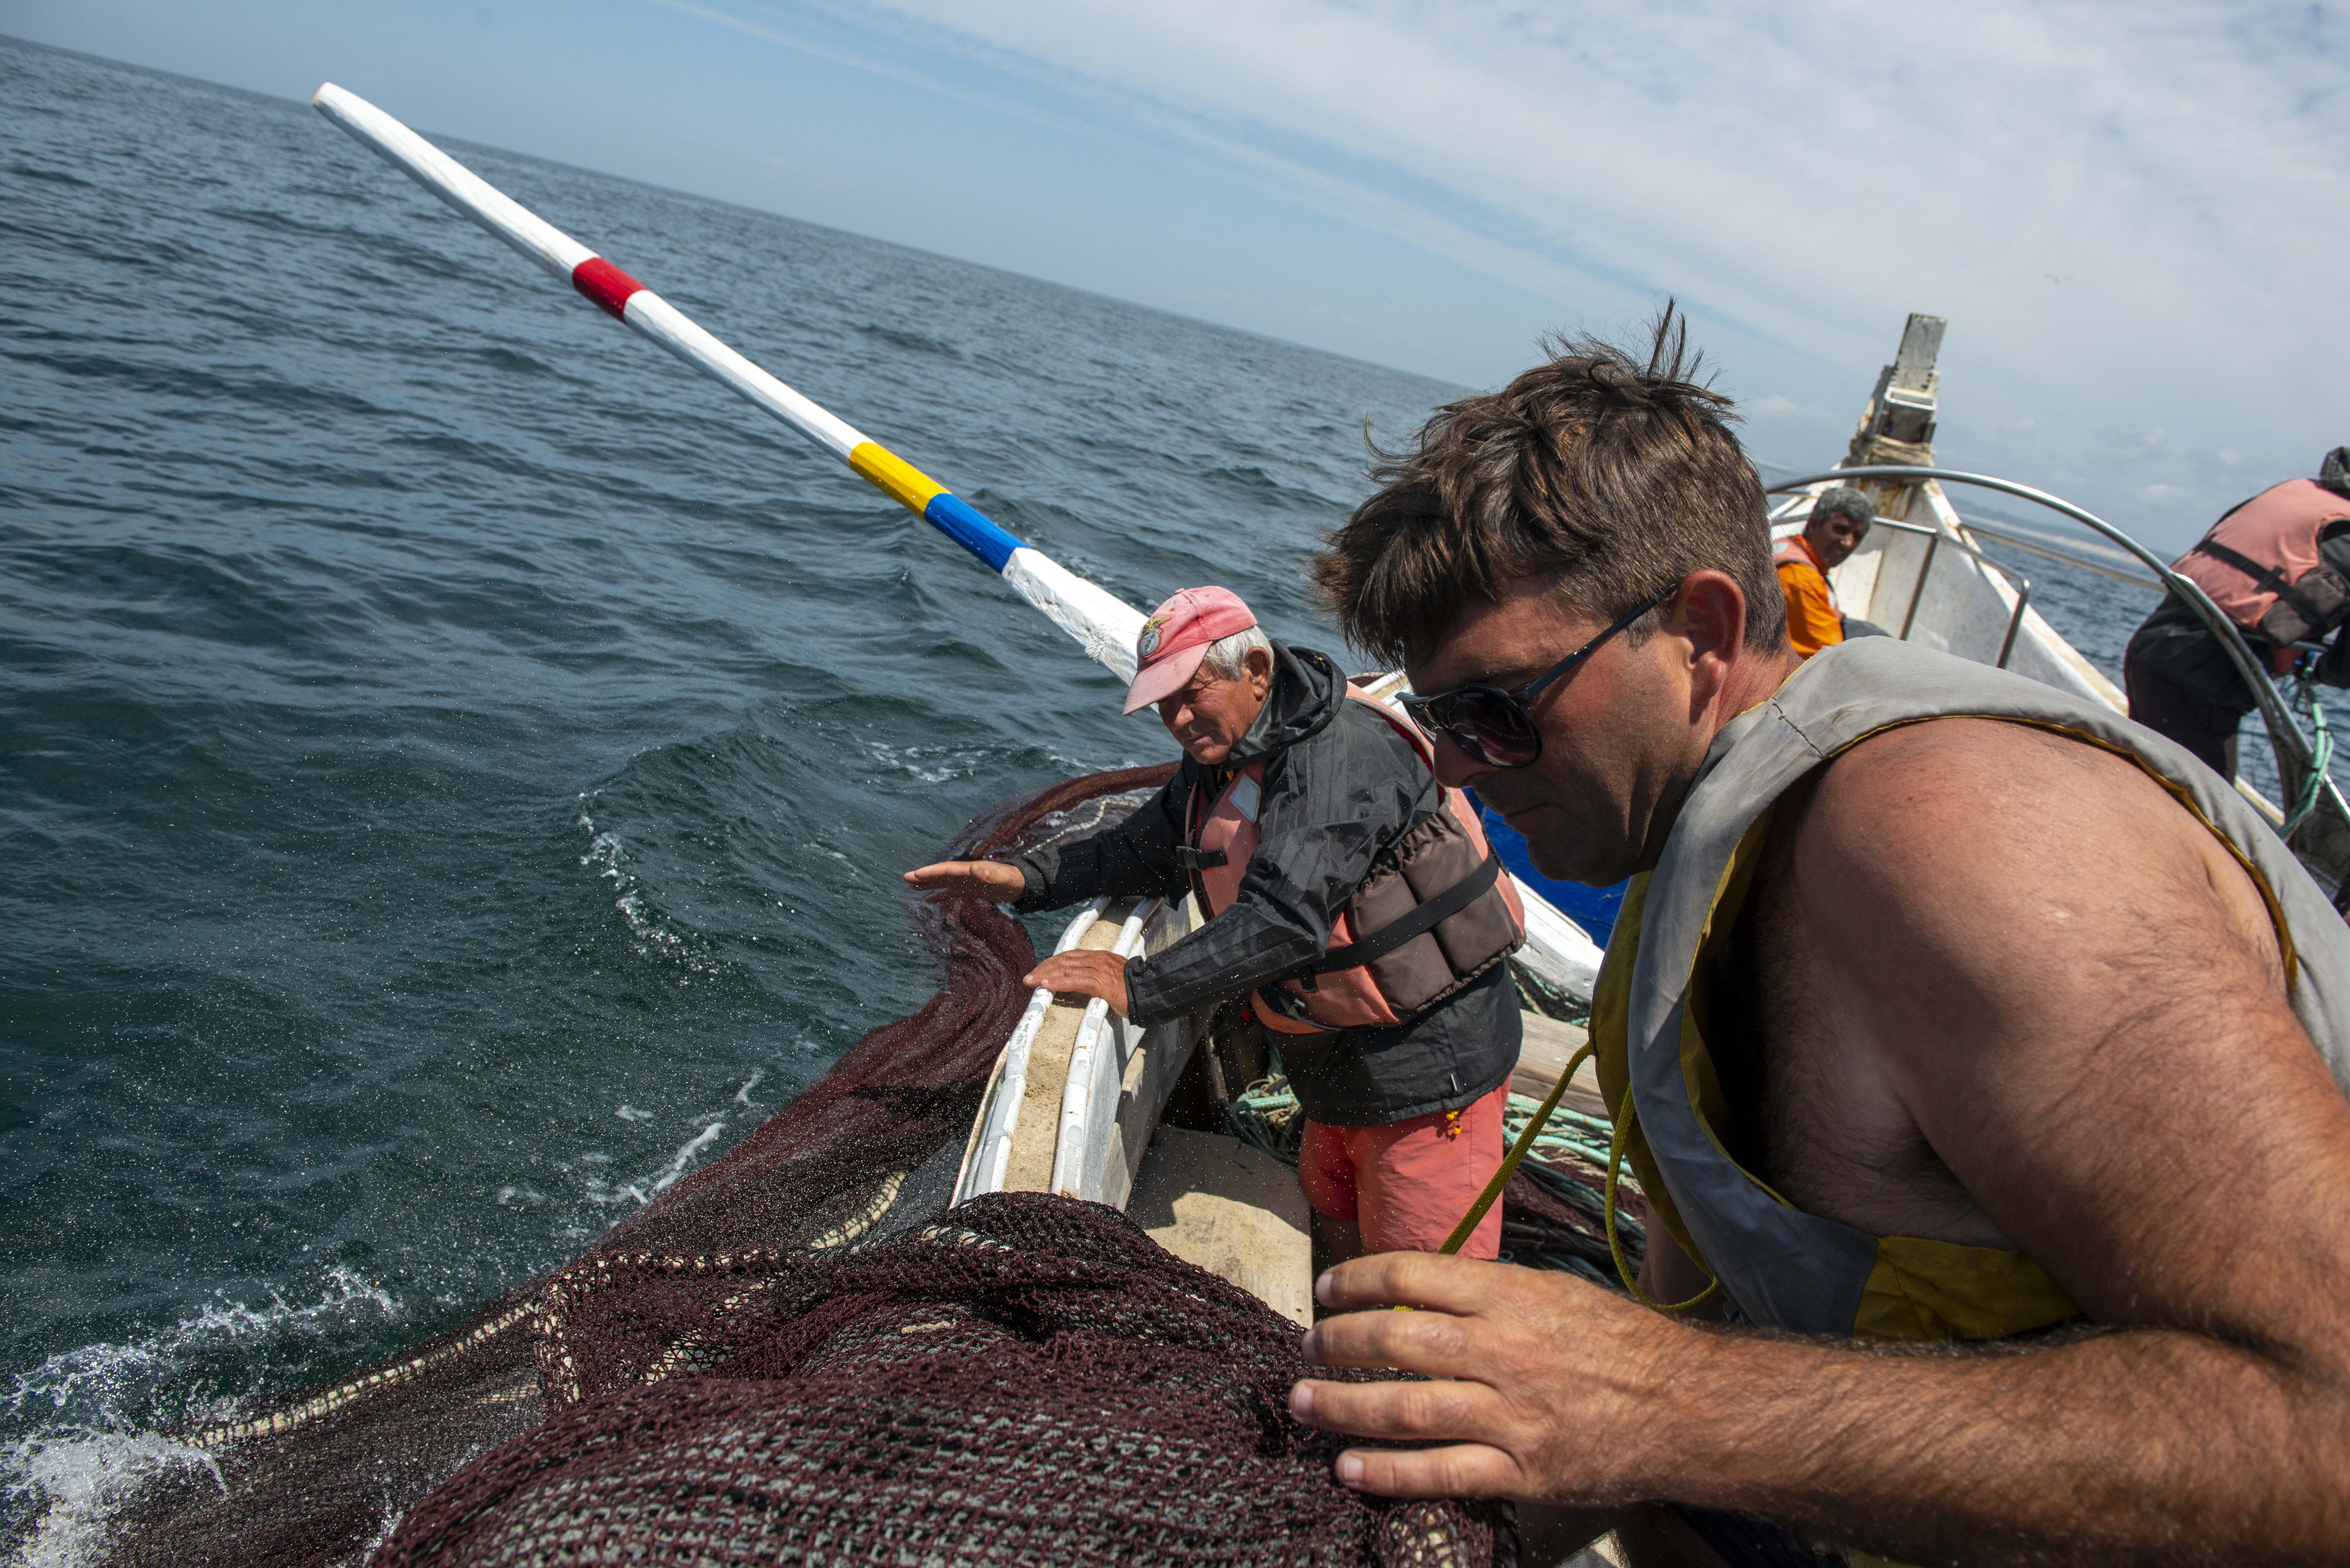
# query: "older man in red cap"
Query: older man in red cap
{"points": [[1350, 897]]}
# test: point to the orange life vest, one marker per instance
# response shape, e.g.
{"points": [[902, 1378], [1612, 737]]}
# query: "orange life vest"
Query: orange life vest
{"points": [[2260, 566], [1794, 550], [1437, 908]]}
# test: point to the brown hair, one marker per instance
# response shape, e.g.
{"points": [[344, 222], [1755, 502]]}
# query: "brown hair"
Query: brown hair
{"points": [[1612, 478]]}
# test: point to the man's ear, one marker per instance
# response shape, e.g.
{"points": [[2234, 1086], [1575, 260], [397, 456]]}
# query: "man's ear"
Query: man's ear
{"points": [[1259, 664], [1709, 613]]}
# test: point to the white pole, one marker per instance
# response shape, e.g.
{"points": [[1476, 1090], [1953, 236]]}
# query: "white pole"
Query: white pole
{"points": [[1104, 625]]}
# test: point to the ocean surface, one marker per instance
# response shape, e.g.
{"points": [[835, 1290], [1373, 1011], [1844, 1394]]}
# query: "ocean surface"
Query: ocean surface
{"points": [[456, 763]]}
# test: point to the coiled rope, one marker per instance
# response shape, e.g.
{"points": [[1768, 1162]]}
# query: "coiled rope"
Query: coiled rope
{"points": [[2321, 761]]}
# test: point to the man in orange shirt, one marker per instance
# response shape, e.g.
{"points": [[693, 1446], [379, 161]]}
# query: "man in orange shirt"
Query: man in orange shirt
{"points": [[1839, 522]]}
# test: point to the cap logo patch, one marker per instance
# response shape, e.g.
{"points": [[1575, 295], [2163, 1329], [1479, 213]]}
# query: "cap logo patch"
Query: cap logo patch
{"points": [[1147, 643]]}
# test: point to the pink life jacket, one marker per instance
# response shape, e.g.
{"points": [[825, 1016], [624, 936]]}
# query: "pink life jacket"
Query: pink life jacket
{"points": [[2260, 566], [1794, 550], [1437, 908]]}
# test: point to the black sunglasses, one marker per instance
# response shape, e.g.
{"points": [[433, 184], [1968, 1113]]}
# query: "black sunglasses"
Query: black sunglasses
{"points": [[1493, 725]]}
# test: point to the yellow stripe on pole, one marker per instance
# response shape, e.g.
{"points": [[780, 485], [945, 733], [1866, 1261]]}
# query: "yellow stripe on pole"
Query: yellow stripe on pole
{"points": [[893, 476]]}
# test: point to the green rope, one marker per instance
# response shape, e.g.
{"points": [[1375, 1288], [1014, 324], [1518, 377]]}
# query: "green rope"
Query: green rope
{"points": [[1265, 1116], [1539, 995], [2321, 760]]}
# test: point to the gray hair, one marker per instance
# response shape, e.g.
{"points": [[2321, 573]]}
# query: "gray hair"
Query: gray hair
{"points": [[1842, 501], [1228, 656]]}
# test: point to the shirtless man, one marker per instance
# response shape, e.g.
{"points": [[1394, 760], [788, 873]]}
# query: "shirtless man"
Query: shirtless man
{"points": [[2007, 1046]]}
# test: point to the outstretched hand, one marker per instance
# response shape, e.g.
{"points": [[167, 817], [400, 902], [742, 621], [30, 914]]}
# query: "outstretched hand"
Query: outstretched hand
{"points": [[1548, 1386], [1084, 973], [990, 880]]}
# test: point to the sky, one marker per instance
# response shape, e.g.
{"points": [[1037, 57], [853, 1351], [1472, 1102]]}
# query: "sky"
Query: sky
{"points": [[2136, 218]]}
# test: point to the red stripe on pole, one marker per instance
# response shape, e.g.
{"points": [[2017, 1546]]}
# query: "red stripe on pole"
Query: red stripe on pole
{"points": [[605, 284]]}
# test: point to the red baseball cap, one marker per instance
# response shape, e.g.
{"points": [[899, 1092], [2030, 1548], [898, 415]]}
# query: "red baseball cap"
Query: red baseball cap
{"points": [[1176, 637]]}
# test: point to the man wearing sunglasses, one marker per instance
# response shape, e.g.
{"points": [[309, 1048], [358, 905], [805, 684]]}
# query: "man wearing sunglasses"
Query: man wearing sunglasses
{"points": [[1295, 813], [1946, 1009]]}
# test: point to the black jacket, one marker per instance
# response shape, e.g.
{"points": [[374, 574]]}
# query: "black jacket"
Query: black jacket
{"points": [[1339, 785]]}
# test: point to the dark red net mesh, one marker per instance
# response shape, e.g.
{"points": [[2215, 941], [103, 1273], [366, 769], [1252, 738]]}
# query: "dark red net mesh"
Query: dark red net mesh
{"points": [[1028, 1379], [745, 1371]]}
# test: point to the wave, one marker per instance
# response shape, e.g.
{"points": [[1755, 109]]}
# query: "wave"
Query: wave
{"points": [[95, 1422]]}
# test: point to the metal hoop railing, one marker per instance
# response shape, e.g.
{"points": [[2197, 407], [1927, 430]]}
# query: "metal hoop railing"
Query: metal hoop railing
{"points": [[2296, 752]]}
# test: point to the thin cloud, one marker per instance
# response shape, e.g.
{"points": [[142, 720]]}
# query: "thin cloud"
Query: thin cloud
{"points": [[2179, 163], [2147, 202], [1332, 194]]}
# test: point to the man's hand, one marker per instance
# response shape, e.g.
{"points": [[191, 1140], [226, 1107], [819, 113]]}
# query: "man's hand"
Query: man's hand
{"points": [[1086, 972], [949, 880], [1547, 1380]]}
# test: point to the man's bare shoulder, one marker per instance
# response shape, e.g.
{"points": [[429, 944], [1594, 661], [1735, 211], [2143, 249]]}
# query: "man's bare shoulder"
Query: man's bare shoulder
{"points": [[2049, 962], [1984, 791], [2004, 842], [1981, 764]]}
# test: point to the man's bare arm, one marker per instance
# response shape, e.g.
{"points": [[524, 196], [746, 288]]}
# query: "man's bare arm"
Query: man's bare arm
{"points": [[2065, 986]]}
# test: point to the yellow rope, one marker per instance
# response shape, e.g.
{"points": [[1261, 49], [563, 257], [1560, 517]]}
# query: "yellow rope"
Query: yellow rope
{"points": [[1510, 1162], [1623, 1270]]}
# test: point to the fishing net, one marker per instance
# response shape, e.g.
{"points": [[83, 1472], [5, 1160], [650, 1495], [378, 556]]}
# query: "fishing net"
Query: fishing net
{"points": [[797, 1355], [1028, 1379]]}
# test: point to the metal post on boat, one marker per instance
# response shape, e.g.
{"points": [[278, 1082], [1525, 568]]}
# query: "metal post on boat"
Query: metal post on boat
{"points": [[1897, 426], [1935, 538], [1933, 543], [2014, 622], [2232, 637]]}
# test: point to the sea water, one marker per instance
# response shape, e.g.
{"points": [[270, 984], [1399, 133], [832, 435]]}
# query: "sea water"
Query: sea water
{"points": [[456, 763]]}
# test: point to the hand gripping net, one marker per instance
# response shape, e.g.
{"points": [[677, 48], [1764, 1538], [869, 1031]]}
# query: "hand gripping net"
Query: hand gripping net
{"points": [[740, 1372]]}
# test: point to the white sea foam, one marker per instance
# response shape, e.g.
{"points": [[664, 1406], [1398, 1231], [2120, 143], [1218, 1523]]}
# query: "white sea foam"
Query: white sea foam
{"points": [[81, 1481], [654, 935], [684, 1159], [604, 1193], [384, 1527], [86, 1418], [932, 765]]}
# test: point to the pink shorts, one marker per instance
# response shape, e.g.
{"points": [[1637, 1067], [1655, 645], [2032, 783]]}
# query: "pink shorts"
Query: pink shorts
{"points": [[1409, 1182]]}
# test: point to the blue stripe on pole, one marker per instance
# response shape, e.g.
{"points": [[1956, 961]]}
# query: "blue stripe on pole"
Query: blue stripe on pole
{"points": [[972, 529]]}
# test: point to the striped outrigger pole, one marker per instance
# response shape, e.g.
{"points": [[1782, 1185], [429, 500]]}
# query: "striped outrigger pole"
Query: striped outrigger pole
{"points": [[1103, 624]]}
